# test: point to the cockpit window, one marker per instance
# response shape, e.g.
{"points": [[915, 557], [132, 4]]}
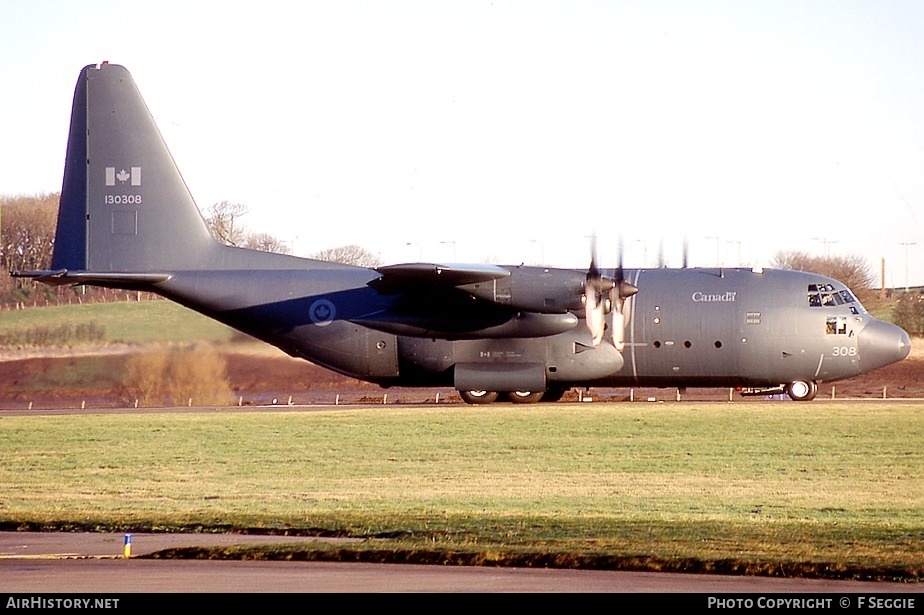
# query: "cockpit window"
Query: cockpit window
{"points": [[821, 295], [825, 295]]}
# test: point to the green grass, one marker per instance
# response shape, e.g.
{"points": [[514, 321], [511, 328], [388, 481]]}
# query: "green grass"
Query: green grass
{"points": [[834, 483], [136, 322]]}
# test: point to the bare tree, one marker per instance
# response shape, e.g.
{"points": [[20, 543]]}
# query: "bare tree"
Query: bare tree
{"points": [[266, 243], [853, 270], [349, 255], [223, 220], [27, 230]]}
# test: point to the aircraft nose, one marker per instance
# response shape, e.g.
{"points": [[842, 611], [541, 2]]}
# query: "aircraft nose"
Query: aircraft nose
{"points": [[882, 343]]}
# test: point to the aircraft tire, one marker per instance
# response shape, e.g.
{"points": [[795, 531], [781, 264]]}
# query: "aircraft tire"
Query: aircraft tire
{"points": [[525, 397], [478, 397], [802, 390]]}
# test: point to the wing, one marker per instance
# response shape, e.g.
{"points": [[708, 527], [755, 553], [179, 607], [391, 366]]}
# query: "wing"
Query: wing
{"points": [[401, 277], [470, 301]]}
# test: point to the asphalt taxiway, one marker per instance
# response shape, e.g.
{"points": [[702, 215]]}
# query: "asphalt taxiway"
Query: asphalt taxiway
{"points": [[61, 562]]}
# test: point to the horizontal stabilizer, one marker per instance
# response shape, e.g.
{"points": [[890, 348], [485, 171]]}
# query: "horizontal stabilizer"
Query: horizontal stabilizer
{"points": [[63, 277]]}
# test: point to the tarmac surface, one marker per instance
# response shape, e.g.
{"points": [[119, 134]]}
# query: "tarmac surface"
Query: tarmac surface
{"points": [[58, 562]]}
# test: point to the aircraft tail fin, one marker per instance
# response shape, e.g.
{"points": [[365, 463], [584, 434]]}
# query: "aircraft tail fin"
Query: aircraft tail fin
{"points": [[124, 205]]}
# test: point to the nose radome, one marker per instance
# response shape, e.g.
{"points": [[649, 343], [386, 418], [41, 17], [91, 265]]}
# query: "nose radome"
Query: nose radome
{"points": [[882, 343]]}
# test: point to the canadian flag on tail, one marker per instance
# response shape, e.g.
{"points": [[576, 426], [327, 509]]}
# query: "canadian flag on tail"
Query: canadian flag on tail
{"points": [[122, 176]]}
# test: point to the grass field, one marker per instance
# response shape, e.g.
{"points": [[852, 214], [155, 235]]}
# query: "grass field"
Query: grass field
{"points": [[129, 322], [832, 486]]}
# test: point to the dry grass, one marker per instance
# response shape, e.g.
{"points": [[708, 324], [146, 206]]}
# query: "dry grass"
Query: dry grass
{"points": [[165, 377]]}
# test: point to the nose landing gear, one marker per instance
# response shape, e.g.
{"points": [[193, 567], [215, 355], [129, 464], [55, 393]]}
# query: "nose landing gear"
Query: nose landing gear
{"points": [[802, 390]]}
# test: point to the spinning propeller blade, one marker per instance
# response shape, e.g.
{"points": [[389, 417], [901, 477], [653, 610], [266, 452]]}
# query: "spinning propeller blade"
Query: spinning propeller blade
{"points": [[595, 285], [603, 295]]}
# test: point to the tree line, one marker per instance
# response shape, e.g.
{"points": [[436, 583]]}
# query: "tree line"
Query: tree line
{"points": [[27, 233]]}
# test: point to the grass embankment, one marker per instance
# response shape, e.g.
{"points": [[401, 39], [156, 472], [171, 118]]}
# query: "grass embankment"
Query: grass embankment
{"points": [[150, 375], [822, 490], [136, 322]]}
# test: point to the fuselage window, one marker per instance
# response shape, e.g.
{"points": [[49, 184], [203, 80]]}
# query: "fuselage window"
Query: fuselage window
{"points": [[836, 325]]}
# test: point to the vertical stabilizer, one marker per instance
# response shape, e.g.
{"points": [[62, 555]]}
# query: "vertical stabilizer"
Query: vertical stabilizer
{"points": [[124, 205]]}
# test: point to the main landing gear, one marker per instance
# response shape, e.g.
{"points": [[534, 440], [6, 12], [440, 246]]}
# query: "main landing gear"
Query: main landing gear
{"points": [[479, 397], [517, 397]]}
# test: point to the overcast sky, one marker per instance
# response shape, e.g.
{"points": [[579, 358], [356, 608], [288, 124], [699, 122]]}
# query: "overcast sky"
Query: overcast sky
{"points": [[509, 132]]}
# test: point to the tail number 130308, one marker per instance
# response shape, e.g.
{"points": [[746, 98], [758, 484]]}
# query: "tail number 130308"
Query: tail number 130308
{"points": [[123, 199]]}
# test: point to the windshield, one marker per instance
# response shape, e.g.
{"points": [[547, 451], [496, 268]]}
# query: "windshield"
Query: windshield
{"points": [[824, 295]]}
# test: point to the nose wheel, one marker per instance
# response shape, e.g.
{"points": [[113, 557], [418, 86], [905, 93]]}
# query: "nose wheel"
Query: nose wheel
{"points": [[802, 390]]}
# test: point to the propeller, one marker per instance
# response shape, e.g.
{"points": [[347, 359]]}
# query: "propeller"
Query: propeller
{"points": [[621, 291], [596, 286], [604, 295]]}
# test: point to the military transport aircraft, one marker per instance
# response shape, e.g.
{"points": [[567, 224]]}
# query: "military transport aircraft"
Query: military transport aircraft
{"points": [[127, 220]]}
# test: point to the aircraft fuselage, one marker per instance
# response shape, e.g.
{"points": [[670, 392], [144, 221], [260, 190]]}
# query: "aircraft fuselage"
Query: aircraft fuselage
{"points": [[685, 328]]}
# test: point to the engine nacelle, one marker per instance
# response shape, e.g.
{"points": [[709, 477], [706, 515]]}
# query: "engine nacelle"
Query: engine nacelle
{"points": [[533, 289]]}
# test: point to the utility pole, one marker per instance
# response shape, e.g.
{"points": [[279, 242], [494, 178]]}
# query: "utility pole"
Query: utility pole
{"points": [[907, 245], [541, 245], [718, 256], [882, 290], [827, 243], [737, 243], [446, 243]]}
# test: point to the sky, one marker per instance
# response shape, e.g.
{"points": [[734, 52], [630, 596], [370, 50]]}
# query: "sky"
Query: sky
{"points": [[510, 132]]}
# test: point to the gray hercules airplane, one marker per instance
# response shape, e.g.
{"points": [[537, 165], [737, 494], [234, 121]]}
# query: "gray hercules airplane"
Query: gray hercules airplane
{"points": [[127, 220]]}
